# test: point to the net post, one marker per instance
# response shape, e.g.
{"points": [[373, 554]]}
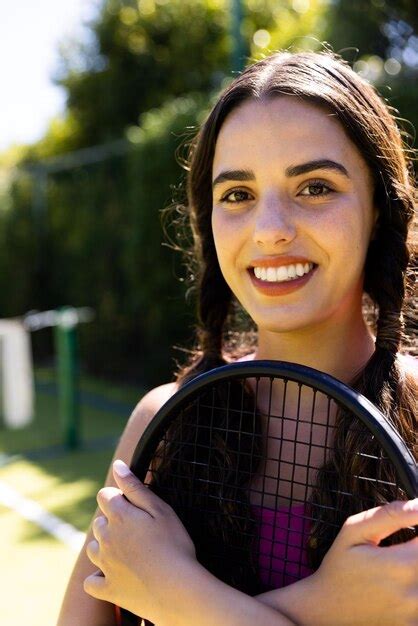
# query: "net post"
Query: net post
{"points": [[66, 348]]}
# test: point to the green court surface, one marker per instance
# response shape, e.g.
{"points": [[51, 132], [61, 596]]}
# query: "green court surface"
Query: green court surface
{"points": [[35, 566]]}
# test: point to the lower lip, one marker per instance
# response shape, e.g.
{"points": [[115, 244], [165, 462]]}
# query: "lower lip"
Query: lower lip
{"points": [[281, 289]]}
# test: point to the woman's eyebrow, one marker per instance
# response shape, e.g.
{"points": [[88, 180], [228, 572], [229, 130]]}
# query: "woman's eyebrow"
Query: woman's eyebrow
{"points": [[319, 164], [292, 170]]}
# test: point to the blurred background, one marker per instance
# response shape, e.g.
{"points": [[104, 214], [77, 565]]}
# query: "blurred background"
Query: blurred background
{"points": [[99, 99]]}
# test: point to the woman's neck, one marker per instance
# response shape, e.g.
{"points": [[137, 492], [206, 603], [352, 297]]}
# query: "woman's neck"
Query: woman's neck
{"points": [[341, 350]]}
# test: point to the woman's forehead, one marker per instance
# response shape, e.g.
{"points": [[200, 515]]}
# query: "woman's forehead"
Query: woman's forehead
{"points": [[283, 129]]}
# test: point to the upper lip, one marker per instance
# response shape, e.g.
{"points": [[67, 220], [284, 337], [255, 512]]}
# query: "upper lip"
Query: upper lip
{"points": [[278, 261]]}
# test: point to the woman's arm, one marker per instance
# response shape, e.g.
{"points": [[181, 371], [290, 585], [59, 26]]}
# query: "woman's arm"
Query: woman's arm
{"points": [[149, 567], [147, 564], [78, 608], [360, 582], [203, 600]]}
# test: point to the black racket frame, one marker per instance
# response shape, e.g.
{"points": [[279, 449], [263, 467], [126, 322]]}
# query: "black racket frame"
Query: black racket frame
{"points": [[359, 405], [385, 433]]}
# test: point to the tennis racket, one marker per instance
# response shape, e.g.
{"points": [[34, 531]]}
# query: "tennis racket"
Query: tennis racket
{"points": [[252, 458]]}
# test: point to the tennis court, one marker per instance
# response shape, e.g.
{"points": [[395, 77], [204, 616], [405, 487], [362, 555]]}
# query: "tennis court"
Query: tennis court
{"points": [[47, 491]]}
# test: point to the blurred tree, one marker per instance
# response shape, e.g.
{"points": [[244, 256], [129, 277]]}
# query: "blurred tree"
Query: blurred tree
{"points": [[144, 52], [375, 26], [380, 38], [150, 71]]}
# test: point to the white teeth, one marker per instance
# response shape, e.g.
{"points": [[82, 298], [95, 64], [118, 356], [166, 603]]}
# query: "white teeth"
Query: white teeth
{"points": [[292, 271], [282, 273], [300, 270], [271, 274]]}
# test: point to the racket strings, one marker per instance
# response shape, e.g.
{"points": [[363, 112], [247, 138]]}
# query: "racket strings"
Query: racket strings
{"points": [[364, 479], [258, 472], [206, 482]]}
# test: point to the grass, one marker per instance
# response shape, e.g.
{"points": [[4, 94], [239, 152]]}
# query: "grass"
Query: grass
{"points": [[35, 567], [34, 572]]}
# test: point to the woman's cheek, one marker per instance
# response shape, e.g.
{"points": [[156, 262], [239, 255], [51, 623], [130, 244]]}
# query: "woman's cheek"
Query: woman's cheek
{"points": [[229, 237]]}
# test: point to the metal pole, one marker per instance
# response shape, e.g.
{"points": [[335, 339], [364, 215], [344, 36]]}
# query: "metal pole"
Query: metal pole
{"points": [[238, 44], [68, 379]]}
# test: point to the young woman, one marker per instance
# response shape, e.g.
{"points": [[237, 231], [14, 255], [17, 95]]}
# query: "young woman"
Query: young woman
{"points": [[300, 165]]}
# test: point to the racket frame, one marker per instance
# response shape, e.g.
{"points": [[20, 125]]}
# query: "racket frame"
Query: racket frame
{"points": [[359, 405]]}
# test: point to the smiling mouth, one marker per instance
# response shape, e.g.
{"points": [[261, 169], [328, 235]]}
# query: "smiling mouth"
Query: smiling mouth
{"points": [[283, 273]]}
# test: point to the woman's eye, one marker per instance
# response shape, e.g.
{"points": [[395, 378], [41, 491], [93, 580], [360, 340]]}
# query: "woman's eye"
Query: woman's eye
{"points": [[240, 196], [316, 188]]}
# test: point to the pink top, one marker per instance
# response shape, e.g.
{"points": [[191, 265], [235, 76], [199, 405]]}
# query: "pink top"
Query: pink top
{"points": [[283, 535]]}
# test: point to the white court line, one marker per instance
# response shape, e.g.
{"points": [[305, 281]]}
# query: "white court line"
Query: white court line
{"points": [[32, 511]]}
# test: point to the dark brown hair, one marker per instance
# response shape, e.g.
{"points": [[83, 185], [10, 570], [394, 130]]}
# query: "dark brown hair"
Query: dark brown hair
{"points": [[225, 332]]}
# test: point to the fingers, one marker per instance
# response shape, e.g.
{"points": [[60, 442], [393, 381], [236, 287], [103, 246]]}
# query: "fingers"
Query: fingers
{"points": [[136, 492], [131, 486], [99, 525], [111, 502], [408, 550], [117, 503], [95, 585], [376, 524], [93, 552]]}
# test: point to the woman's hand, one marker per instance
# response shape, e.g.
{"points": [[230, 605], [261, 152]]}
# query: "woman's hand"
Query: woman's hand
{"points": [[358, 582], [361, 583], [141, 549]]}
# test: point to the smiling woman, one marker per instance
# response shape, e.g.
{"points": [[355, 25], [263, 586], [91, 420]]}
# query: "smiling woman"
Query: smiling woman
{"points": [[274, 223], [301, 204]]}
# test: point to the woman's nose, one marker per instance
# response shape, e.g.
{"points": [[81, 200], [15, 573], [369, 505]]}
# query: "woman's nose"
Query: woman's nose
{"points": [[274, 222]]}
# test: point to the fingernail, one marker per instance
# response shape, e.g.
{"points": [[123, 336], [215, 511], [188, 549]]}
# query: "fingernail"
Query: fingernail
{"points": [[121, 468], [414, 504]]}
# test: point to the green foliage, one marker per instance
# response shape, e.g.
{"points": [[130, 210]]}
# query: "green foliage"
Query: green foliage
{"points": [[294, 25], [365, 25], [144, 53], [379, 39], [18, 244], [91, 234], [148, 51], [98, 241]]}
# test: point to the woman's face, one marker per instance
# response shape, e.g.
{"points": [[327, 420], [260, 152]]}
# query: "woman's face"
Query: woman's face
{"points": [[291, 235]]}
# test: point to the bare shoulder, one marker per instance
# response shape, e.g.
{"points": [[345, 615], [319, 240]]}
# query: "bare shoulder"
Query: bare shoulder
{"points": [[148, 406], [141, 416]]}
